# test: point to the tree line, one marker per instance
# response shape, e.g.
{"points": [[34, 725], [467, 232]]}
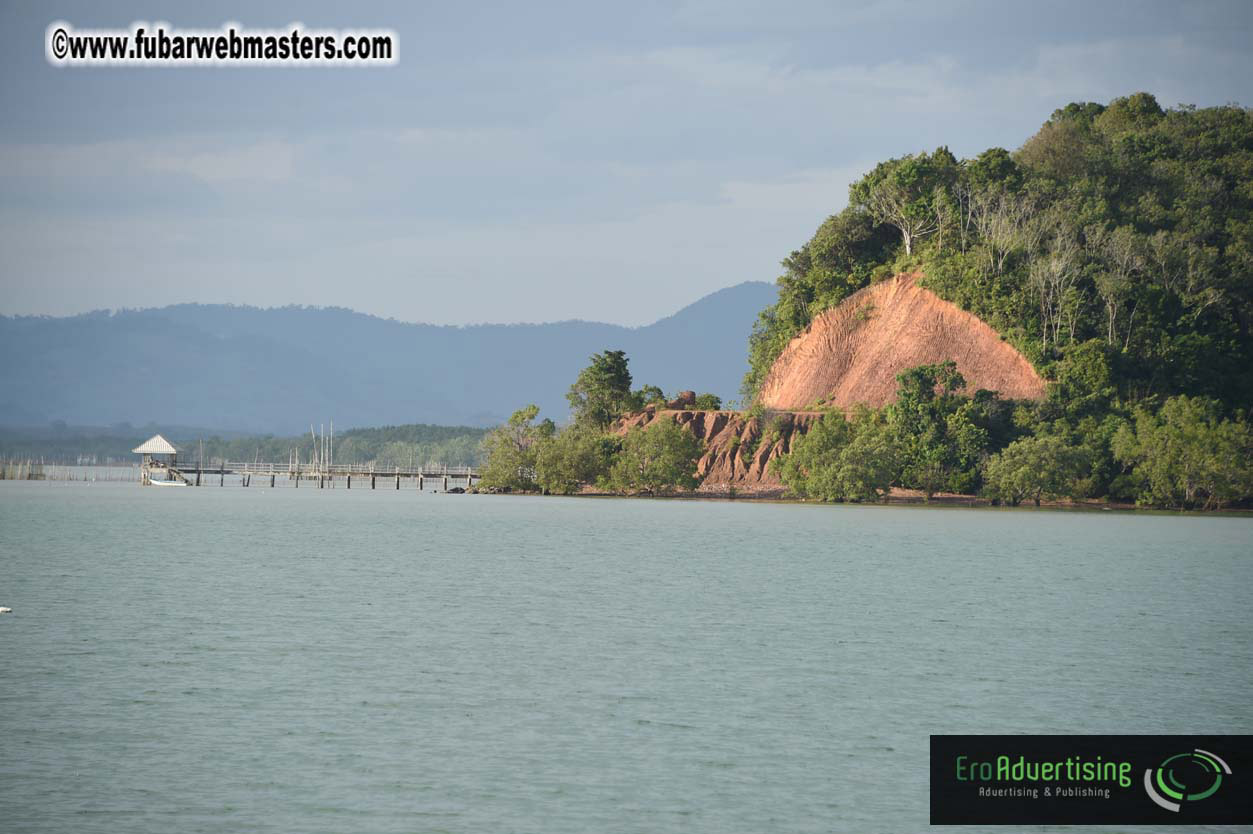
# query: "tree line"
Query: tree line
{"points": [[385, 447], [937, 438], [531, 455], [934, 437]]}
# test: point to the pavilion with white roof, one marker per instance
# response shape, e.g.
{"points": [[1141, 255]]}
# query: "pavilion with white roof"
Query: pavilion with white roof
{"points": [[158, 453]]}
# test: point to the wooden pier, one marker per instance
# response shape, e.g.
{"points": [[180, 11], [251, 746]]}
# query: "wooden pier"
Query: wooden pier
{"points": [[346, 475], [161, 466]]}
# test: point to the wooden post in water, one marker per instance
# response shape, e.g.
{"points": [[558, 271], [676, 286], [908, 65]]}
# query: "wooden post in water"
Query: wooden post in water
{"points": [[397, 477], [271, 480], [445, 483], [373, 475], [348, 483], [222, 473], [197, 475], [419, 482]]}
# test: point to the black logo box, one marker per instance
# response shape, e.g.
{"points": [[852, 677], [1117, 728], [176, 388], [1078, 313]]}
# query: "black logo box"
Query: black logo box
{"points": [[955, 802]]}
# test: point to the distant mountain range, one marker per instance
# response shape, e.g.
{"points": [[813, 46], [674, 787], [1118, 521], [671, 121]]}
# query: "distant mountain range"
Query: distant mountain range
{"points": [[277, 370]]}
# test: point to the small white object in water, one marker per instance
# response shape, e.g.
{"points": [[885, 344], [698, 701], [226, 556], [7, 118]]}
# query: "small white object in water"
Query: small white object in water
{"points": [[4, 610]]}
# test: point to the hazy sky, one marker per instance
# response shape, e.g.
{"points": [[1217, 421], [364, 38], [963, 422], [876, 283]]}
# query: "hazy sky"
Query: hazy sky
{"points": [[531, 161]]}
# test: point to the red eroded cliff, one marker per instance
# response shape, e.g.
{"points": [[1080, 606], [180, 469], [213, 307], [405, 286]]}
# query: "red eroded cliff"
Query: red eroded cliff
{"points": [[738, 448]]}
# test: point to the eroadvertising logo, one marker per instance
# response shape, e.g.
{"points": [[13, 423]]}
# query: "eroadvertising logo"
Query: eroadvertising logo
{"points": [[1075, 780], [1192, 776]]}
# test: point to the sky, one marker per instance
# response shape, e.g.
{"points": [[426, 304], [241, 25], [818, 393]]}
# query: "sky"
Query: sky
{"points": [[531, 161]]}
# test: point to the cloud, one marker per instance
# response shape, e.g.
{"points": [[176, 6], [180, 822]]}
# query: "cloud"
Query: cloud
{"points": [[732, 71], [777, 16], [212, 160], [270, 161], [77, 160]]}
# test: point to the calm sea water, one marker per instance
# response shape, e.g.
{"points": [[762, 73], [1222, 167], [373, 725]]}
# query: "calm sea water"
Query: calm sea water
{"points": [[223, 660]]}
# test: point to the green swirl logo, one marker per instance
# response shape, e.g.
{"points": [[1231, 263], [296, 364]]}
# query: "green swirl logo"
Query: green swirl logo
{"points": [[1185, 777]]}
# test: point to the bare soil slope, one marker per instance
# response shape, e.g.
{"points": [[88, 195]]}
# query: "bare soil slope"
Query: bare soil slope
{"points": [[852, 353]]}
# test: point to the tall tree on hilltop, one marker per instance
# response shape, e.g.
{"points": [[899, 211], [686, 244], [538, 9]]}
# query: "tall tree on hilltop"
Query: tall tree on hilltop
{"points": [[602, 391], [908, 193]]}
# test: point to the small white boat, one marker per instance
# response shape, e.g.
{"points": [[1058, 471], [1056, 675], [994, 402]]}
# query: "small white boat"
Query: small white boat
{"points": [[153, 479]]}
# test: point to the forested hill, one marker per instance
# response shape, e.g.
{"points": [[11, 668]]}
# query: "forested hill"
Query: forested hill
{"points": [[1114, 248], [275, 370]]}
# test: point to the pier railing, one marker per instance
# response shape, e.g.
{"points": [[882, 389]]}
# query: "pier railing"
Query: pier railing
{"points": [[314, 469]]}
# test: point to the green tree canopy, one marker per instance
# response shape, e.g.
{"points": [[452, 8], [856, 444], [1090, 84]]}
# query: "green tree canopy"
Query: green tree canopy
{"points": [[511, 451], [576, 456], [843, 458], [648, 394], [602, 391], [1034, 467], [1187, 455], [941, 433], [905, 193], [657, 460]]}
